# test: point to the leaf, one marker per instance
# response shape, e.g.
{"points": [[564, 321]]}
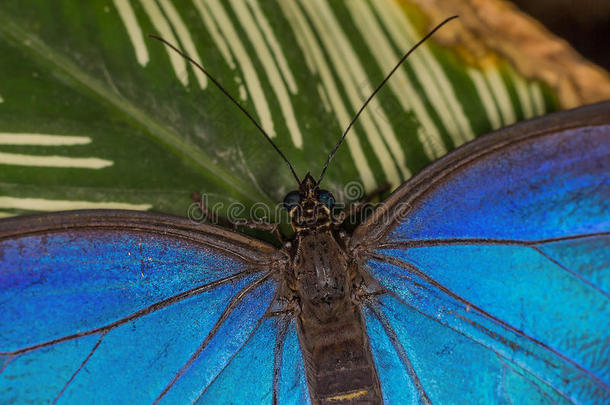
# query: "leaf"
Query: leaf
{"points": [[95, 114]]}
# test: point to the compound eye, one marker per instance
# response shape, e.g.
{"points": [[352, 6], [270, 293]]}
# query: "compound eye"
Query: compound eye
{"points": [[292, 200], [326, 198]]}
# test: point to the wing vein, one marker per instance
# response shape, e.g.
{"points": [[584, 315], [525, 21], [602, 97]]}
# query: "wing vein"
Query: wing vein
{"points": [[223, 317], [505, 242], [6, 362], [483, 241], [482, 343], [571, 272], [278, 358], [409, 267], [99, 341], [506, 364], [258, 324], [138, 314], [400, 350]]}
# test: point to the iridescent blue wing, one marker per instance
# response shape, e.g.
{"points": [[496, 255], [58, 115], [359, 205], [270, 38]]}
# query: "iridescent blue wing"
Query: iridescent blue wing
{"points": [[494, 264], [113, 307], [272, 359]]}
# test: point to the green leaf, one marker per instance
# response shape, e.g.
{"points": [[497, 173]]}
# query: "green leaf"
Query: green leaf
{"points": [[95, 114]]}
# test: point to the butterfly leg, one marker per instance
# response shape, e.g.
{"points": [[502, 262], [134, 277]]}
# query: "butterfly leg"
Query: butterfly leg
{"points": [[363, 287], [208, 214], [242, 223], [261, 226]]}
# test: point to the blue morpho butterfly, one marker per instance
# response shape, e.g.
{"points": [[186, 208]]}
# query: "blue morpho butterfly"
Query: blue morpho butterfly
{"points": [[482, 279]]}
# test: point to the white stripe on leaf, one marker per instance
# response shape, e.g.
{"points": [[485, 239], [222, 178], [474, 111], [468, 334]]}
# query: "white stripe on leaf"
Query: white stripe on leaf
{"points": [[163, 28], [523, 94], [271, 70], [16, 159], [274, 45], [42, 139], [489, 104], [537, 98], [185, 39], [41, 204], [133, 30], [251, 78], [500, 92], [324, 98], [212, 28]]}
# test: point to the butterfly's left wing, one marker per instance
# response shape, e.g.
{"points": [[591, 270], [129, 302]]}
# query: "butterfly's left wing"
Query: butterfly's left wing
{"points": [[495, 264], [126, 307]]}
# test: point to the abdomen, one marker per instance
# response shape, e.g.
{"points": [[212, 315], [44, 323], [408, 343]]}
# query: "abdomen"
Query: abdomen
{"points": [[338, 360]]}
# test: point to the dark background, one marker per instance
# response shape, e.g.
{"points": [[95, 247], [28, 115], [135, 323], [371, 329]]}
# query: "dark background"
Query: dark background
{"points": [[583, 23]]}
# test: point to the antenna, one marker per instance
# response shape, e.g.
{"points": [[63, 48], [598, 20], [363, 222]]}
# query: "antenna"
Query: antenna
{"points": [[406, 55], [256, 124]]}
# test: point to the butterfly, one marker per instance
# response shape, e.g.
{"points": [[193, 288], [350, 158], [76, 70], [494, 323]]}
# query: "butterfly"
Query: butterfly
{"points": [[484, 278]]}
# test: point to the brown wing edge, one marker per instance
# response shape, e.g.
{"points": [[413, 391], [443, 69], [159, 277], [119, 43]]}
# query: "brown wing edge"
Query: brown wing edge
{"points": [[247, 249], [397, 205]]}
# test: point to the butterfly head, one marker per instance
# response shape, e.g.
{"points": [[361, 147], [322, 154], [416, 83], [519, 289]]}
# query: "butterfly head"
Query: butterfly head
{"points": [[309, 206]]}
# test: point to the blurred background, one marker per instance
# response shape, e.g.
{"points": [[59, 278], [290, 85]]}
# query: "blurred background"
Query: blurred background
{"points": [[583, 23]]}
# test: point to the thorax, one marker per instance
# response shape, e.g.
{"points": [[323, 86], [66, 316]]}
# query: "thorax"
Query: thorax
{"points": [[320, 269]]}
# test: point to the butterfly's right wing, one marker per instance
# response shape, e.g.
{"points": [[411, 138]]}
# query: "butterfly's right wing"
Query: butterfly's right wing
{"points": [[494, 262], [126, 307]]}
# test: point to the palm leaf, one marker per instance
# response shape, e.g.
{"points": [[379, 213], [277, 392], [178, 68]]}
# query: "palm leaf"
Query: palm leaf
{"points": [[95, 114]]}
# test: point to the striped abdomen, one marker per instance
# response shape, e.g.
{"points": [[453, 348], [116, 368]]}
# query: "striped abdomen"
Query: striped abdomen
{"points": [[338, 360]]}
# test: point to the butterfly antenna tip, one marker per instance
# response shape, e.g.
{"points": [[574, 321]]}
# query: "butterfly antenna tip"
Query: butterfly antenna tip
{"points": [[405, 56]]}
